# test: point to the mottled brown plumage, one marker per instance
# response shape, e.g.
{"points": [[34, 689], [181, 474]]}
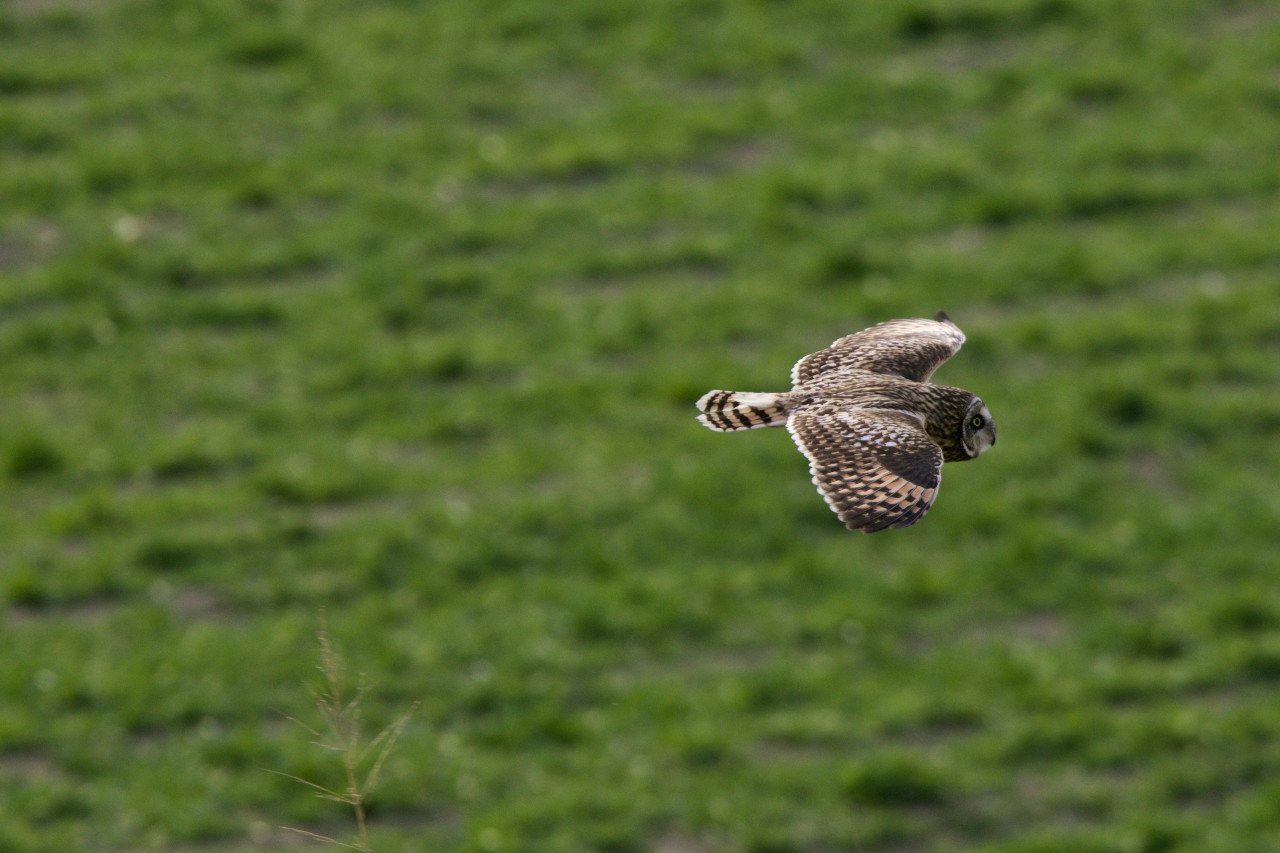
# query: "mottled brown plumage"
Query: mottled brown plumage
{"points": [[873, 427]]}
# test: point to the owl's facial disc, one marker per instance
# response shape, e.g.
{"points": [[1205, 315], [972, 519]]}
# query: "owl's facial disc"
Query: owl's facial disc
{"points": [[979, 431], [984, 437]]}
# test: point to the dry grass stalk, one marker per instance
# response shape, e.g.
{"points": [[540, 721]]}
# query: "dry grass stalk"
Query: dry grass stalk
{"points": [[341, 732]]}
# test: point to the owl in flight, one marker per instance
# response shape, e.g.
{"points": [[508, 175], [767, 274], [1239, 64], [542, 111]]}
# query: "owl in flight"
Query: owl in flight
{"points": [[875, 429]]}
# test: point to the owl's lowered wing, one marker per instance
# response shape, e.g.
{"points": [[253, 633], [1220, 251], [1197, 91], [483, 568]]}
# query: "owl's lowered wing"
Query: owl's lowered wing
{"points": [[912, 349], [875, 468]]}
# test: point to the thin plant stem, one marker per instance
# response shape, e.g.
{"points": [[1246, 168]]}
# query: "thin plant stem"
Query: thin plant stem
{"points": [[342, 727]]}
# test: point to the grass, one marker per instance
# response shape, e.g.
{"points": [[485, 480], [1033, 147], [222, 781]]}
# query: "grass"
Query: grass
{"points": [[398, 310], [342, 733]]}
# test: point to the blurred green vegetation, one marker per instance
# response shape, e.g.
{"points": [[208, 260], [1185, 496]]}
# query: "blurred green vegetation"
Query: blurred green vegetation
{"points": [[396, 311]]}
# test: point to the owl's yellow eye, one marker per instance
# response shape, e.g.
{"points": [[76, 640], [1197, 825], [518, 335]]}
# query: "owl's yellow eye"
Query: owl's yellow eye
{"points": [[977, 421]]}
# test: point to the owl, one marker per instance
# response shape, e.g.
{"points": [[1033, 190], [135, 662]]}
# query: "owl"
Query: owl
{"points": [[874, 428]]}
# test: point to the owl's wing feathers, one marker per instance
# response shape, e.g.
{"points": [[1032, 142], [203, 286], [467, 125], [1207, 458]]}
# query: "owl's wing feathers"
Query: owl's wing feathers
{"points": [[912, 349], [875, 468]]}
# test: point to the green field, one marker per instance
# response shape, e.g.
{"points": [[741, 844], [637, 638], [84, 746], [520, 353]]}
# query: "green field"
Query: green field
{"points": [[393, 313]]}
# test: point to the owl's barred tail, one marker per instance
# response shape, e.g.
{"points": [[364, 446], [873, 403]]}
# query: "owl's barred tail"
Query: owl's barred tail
{"points": [[725, 411]]}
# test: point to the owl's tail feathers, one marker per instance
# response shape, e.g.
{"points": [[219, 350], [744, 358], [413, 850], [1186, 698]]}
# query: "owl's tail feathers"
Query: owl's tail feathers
{"points": [[725, 411]]}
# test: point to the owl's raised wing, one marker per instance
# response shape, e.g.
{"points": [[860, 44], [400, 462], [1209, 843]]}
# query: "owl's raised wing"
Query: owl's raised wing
{"points": [[875, 468], [912, 349]]}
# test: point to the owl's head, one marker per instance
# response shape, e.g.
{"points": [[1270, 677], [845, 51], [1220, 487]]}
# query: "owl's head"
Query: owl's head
{"points": [[977, 430]]}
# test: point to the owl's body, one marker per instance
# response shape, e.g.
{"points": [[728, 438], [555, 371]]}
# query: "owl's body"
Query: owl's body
{"points": [[873, 427]]}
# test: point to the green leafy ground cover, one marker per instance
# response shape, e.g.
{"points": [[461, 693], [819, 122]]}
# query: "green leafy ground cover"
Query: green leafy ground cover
{"points": [[395, 311]]}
